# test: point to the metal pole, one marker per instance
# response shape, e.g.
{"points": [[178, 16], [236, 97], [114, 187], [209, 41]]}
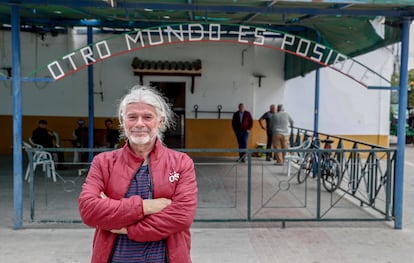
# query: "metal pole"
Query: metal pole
{"points": [[17, 120], [402, 107], [91, 107], [249, 186], [317, 89]]}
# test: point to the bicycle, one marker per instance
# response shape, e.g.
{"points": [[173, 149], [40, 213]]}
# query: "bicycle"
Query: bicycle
{"points": [[330, 168]]}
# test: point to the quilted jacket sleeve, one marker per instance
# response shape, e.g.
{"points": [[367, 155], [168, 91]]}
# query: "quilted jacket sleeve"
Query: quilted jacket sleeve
{"points": [[176, 217], [113, 212]]}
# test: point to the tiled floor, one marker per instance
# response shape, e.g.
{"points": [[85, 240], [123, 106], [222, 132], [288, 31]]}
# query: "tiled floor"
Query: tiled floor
{"points": [[364, 242]]}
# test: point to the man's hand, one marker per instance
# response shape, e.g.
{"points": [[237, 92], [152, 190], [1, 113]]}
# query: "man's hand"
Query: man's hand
{"points": [[103, 195], [122, 231], [152, 206]]}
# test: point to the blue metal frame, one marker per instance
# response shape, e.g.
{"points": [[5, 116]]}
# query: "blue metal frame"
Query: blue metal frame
{"points": [[402, 101], [252, 11], [17, 121], [317, 89], [91, 107], [336, 10]]}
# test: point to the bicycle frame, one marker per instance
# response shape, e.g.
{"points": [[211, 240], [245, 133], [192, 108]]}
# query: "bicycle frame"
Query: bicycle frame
{"points": [[329, 167]]}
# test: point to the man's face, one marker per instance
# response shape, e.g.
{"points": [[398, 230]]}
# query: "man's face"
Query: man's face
{"points": [[272, 108], [141, 123], [241, 108]]}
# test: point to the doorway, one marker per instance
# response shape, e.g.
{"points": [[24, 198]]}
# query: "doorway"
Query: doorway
{"points": [[175, 92]]}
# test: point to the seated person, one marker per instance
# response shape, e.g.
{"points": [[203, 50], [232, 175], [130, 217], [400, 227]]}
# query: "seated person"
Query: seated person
{"points": [[42, 136], [112, 135], [80, 139]]}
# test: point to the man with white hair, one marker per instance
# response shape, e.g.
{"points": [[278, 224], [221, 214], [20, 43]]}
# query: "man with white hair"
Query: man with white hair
{"points": [[141, 199]]}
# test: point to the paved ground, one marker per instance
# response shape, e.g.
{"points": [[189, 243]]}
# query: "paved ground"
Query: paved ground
{"points": [[236, 242]]}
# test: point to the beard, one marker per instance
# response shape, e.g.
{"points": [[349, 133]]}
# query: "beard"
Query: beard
{"points": [[144, 137]]}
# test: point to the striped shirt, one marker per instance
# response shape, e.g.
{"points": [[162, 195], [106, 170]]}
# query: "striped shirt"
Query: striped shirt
{"points": [[126, 250]]}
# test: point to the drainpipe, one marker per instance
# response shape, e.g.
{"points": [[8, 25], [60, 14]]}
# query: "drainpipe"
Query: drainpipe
{"points": [[17, 120], [402, 107]]}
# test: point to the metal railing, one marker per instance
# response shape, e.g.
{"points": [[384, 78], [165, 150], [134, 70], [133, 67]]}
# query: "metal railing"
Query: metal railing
{"points": [[256, 190]]}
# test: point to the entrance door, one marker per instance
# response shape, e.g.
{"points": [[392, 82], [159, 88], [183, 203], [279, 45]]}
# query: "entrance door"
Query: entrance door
{"points": [[175, 92]]}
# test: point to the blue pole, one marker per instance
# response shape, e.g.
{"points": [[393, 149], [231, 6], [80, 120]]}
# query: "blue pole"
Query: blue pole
{"points": [[317, 89], [91, 107], [17, 120], [402, 102]]}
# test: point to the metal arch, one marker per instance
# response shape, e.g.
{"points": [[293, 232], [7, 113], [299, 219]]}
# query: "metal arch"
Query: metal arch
{"points": [[291, 44]]}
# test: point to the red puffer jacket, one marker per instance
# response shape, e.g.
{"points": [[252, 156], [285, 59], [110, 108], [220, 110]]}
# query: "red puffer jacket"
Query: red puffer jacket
{"points": [[173, 177]]}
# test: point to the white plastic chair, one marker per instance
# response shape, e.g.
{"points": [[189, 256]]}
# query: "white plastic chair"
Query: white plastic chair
{"points": [[294, 156], [40, 157], [57, 139], [57, 144]]}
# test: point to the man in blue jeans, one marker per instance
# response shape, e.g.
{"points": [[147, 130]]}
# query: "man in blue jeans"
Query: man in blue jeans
{"points": [[242, 123]]}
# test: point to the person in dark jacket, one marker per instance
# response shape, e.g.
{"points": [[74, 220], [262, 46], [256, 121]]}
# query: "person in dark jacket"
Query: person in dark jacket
{"points": [[242, 123], [46, 138], [266, 118], [112, 135]]}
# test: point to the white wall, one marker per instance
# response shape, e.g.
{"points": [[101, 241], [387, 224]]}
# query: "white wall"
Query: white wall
{"points": [[345, 106], [227, 79]]}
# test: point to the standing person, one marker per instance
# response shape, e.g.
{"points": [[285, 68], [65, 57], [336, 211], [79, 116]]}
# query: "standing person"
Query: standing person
{"points": [[142, 198], [46, 138], [80, 135], [279, 124], [112, 135], [266, 118], [242, 123]]}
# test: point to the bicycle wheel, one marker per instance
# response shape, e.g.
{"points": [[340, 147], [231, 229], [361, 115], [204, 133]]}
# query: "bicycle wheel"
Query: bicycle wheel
{"points": [[331, 174], [305, 167]]}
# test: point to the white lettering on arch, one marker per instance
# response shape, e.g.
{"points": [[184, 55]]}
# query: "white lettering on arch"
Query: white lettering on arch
{"points": [[304, 45], [317, 50], [56, 65], [151, 38], [103, 49], [192, 31], [259, 37], [179, 34], [69, 57], [138, 36], [214, 28], [287, 40], [87, 55], [242, 33]]}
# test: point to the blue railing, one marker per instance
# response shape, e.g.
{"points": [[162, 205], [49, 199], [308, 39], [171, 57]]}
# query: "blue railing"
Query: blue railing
{"points": [[253, 191]]}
